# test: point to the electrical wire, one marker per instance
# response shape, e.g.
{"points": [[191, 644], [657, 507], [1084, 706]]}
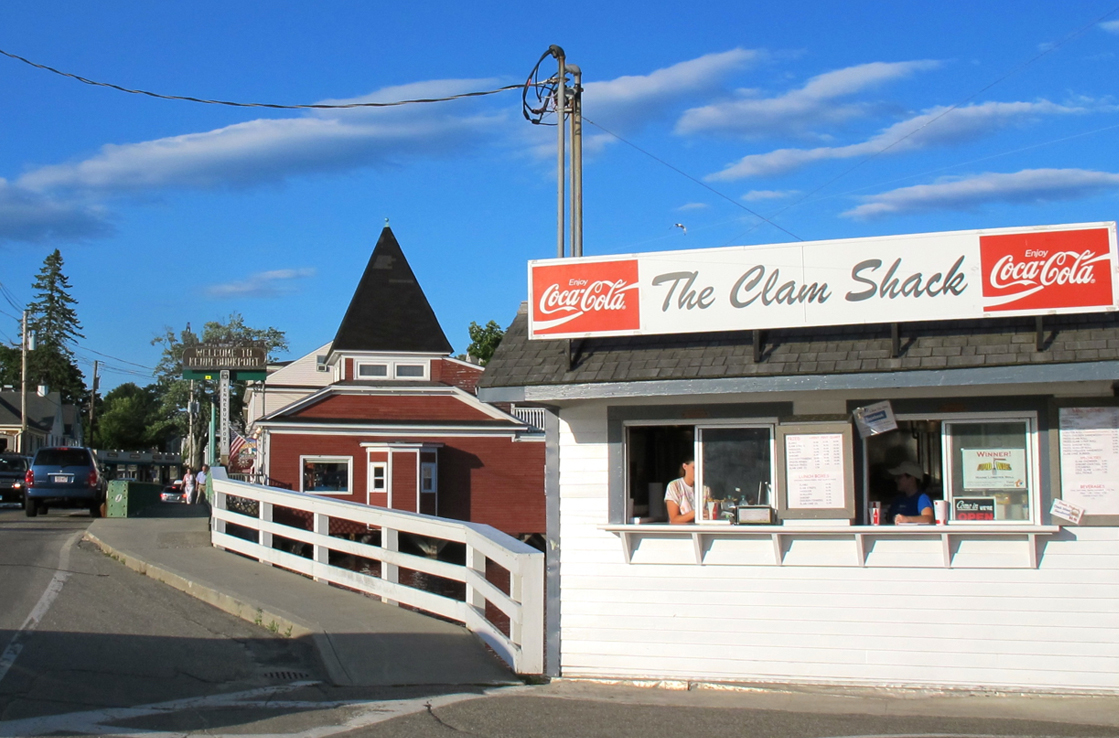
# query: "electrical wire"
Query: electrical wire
{"points": [[273, 106], [693, 179], [116, 358]]}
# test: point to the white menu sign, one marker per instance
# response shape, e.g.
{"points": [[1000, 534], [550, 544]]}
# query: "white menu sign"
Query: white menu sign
{"points": [[814, 471], [1090, 458]]}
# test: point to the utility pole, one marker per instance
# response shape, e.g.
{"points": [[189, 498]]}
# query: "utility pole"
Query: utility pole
{"points": [[92, 402], [25, 346], [190, 435]]}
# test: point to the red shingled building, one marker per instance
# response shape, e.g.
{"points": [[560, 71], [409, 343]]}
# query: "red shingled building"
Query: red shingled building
{"points": [[383, 415]]}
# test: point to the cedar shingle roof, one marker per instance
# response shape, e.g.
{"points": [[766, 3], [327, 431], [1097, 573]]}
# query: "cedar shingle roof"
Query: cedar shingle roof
{"points": [[389, 311], [852, 349]]}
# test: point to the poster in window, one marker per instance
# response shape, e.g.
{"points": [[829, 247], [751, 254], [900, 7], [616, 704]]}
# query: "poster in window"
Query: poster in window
{"points": [[994, 468], [814, 471], [1089, 438]]}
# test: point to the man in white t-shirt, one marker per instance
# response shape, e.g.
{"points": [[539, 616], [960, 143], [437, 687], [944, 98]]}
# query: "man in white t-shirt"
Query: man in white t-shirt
{"points": [[200, 483]]}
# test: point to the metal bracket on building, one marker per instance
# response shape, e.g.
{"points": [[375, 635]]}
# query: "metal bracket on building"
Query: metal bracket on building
{"points": [[1040, 333], [759, 345], [574, 347], [895, 340]]}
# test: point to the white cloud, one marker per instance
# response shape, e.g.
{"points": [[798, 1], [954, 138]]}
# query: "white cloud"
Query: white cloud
{"points": [[691, 206], [633, 99], [36, 218], [274, 283], [801, 109], [755, 195], [269, 150], [970, 193], [931, 128], [1110, 26]]}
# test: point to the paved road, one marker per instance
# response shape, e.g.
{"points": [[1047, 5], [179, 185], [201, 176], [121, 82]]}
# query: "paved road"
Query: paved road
{"points": [[88, 647]]}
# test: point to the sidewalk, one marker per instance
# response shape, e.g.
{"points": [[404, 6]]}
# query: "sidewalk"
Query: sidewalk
{"points": [[361, 641]]}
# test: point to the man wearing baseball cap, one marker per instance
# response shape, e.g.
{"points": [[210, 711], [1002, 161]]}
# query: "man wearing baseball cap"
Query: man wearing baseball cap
{"points": [[911, 505]]}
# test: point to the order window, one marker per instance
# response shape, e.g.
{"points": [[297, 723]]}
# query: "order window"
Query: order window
{"points": [[983, 467], [734, 466]]}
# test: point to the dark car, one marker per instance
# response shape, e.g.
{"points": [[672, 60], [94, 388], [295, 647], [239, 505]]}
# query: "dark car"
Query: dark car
{"points": [[64, 477], [13, 468]]}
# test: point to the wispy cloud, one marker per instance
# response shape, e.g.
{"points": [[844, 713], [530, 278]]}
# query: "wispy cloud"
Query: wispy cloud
{"points": [[274, 283], [266, 151], [933, 127], [755, 195], [971, 193], [692, 206], [800, 110], [632, 99], [33, 217], [1110, 26]]}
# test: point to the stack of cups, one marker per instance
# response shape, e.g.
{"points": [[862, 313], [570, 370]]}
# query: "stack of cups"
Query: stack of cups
{"points": [[940, 510]]}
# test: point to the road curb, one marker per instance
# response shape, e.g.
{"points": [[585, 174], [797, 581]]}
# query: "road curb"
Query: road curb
{"points": [[269, 619]]}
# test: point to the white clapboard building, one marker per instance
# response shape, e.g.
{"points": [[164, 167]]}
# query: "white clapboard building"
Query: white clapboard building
{"points": [[801, 378]]}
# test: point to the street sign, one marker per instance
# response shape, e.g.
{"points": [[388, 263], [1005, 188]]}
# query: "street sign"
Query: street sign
{"points": [[214, 358]]}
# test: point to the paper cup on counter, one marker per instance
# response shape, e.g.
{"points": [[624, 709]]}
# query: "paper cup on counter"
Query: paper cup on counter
{"points": [[940, 510]]}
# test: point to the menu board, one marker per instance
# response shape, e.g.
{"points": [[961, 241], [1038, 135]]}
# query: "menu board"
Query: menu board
{"points": [[814, 471], [1090, 458]]}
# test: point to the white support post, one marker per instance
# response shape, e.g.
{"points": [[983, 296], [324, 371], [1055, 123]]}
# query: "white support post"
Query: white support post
{"points": [[527, 588], [265, 536], [476, 562], [220, 503], [321, 553], [390, 541]]}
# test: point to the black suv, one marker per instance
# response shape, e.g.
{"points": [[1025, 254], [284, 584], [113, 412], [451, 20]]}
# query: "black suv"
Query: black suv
{"points": [[64, 477], [13, 467]]}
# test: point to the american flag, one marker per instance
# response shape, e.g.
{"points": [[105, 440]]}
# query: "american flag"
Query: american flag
{"points": [[236, 444]]}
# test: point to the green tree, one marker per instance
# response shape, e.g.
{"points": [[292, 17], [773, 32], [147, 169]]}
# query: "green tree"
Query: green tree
{"points": [[174, 392], [129, 418], [52, 317], [484, 341]]}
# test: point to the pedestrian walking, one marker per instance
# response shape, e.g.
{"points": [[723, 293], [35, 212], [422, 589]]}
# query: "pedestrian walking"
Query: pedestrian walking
{"points": [[188, 485], [200, 483]]}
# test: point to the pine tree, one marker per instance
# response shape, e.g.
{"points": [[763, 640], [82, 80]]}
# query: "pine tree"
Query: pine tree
{"points": [[52, 316]]}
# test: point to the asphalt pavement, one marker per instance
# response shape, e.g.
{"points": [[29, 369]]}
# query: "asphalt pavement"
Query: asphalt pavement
{"points": [[361, 641]]}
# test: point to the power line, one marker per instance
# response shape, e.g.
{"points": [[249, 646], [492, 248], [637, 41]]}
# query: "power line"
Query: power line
{"points": [[693, 179], [115, 358], [273, 106]]}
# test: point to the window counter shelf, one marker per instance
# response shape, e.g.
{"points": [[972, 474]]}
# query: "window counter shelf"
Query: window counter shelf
{"points": [[911, 546]]}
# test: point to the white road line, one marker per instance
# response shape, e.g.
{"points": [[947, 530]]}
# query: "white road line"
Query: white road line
{"points": [[54, 587], [103, 722]]}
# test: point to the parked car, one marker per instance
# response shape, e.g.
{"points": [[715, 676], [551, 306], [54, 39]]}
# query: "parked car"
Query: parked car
{"points": [[65, 477], [13, 468], [173, 492]]}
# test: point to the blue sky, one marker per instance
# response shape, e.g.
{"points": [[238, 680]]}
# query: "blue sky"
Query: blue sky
{"points": [[830, 119]]}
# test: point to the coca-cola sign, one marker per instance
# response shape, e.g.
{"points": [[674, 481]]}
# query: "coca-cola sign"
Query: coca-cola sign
{"points": [[932, 276], [595, 298], [1047, 270]]}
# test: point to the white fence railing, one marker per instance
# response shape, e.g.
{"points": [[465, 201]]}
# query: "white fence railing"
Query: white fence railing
{"points": [[302, 521]]}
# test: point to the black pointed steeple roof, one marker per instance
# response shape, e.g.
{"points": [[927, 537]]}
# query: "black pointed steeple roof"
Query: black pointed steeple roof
{"points": [[389, 312]]}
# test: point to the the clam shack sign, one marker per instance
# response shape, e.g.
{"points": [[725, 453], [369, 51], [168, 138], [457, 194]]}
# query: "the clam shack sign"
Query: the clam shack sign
{"points": [[933, 276]]}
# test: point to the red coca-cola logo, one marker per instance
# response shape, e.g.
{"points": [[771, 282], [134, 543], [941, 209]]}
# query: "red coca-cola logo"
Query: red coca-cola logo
{"points": [[595, 297], [1046, 270]]}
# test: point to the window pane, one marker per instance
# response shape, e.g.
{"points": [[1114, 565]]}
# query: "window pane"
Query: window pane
{"points": [[989, 470], [736, 468], [409, 370], [326, 476], [378, 476], [373, 370]]}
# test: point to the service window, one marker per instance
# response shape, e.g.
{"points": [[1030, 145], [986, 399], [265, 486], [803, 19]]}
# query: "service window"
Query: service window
{"points": [[326, 475], [733, 467], [990, 470]]}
